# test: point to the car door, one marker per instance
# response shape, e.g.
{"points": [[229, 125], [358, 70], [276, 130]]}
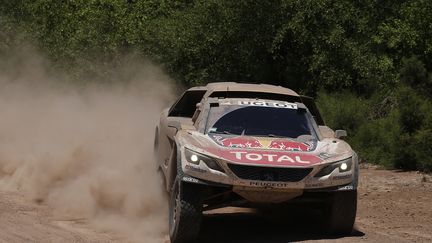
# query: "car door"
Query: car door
{"points": [[171, 119]]}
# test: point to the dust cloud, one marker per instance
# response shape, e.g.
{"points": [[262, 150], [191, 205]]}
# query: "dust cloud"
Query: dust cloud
{"points": [[85, 150]]}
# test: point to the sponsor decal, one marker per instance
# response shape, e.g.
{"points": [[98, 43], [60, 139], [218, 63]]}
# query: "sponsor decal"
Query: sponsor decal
{"points": [[190, 179], [268, 184], [264, 103], [274, 157], [279, 158], [348, 187], [238, 142], [263, 143], [284, 144]]}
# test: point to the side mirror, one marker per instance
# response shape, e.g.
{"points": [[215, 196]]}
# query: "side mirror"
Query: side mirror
{"points": [[340, 133]]}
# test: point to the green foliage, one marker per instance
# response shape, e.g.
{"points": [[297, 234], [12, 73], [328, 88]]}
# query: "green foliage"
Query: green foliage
{"points": [[422, 150], [377, 140], [343, 110], [399, 139], [370, 60], [415, 74]]}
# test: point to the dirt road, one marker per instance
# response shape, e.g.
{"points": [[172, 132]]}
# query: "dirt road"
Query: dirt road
{"points": [[393, 207]]}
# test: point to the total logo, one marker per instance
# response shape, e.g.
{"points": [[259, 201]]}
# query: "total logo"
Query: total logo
{"points": [[244, 156]]}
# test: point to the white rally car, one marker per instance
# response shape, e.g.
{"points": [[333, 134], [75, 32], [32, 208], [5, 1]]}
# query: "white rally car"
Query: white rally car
{"points": [[231, 144]]}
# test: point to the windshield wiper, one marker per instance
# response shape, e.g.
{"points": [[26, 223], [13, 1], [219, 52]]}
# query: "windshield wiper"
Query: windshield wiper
{"points": [[223, 132], [275, 136]]}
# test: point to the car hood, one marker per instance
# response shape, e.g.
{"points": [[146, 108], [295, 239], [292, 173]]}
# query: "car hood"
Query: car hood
{"points": [[266, 151]]}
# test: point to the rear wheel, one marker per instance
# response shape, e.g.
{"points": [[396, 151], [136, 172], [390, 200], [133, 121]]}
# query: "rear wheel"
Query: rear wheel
{"points": [[341, 212], [185, 212]]}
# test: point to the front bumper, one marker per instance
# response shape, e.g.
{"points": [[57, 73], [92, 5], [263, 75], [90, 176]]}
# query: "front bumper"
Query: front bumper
{"points": [[202, 174]]}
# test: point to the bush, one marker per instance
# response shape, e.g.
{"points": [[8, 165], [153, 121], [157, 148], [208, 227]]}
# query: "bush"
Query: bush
{"points": [[343, 110], [397, 138], [374, 140]]}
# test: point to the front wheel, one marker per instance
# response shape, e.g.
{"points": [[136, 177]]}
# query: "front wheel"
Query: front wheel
{"points": [[341, 212], [185, 212]]}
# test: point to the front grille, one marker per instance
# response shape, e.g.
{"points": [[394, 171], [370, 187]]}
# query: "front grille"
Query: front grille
{"points": [[259, 173]]}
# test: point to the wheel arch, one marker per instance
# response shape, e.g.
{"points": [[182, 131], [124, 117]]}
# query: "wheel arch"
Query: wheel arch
{"points": [[175, 166]]}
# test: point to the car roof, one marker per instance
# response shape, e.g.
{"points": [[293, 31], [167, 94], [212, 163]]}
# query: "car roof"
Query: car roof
{"points": [[245, 87]]}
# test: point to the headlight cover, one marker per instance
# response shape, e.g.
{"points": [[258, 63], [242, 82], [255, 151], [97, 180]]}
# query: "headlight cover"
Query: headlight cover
{"points": [[343, 166], [195, 158]]}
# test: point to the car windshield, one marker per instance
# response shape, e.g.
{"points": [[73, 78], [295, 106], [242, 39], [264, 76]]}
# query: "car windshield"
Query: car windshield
{"points": [[260, 121]]}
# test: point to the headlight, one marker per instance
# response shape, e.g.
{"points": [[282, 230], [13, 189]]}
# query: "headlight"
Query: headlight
{"points": [[342, 166], [195, 158]]}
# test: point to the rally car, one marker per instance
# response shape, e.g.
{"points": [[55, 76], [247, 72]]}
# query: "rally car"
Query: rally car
{"points": [[249, 145]]}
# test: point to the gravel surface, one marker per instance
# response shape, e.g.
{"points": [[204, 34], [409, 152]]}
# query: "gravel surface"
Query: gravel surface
{"points": [[393, 207]]}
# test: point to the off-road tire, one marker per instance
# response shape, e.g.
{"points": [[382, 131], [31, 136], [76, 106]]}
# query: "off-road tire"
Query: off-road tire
{"points": [[185, 212], [341, 212]]}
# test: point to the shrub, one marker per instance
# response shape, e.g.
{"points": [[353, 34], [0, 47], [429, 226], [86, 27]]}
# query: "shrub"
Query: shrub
{"points": [[343, 110]]}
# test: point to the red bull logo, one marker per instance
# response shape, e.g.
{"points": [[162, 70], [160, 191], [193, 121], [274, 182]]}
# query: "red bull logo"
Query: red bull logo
{"points": [[251, 142], [283, 144], [239, 142]]}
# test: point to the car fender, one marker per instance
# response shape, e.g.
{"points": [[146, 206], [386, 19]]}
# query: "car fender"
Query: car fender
{"points": [[174, 165], [354, 184]]}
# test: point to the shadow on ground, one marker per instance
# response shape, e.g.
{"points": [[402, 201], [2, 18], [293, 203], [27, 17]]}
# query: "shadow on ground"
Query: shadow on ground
{"points": [[265, 227]]}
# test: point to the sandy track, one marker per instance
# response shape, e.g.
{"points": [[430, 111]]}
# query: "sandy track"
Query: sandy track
{"points": [[393, 207], [22, 220]]}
